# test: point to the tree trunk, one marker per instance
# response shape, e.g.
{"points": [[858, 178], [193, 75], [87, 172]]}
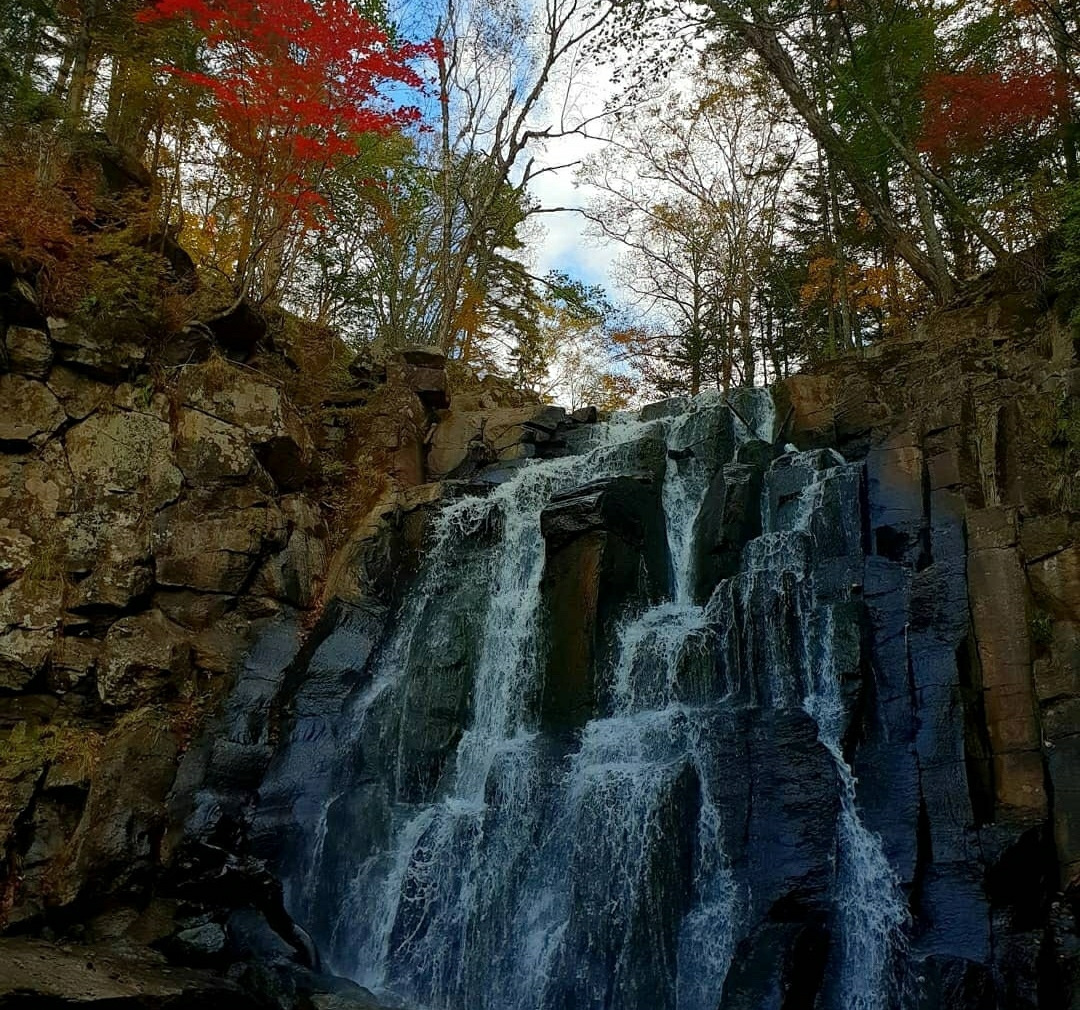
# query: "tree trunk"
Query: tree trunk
{"points": [[747, 340], [761, 38], [81, 69]]}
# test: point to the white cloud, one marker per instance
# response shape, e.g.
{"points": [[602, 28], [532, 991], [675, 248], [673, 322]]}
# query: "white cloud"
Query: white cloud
{"points": [[562, 243]]}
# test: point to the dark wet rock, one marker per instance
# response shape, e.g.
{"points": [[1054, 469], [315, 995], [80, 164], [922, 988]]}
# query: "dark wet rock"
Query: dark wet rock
{"points": [[634, 927], [729, 517], [602, 553], [663, 408], [584, 415], [777, 960]]}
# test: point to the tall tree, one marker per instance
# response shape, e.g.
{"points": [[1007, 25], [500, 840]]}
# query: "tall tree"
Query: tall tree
{"points": [[691, 185], [295, 86]]}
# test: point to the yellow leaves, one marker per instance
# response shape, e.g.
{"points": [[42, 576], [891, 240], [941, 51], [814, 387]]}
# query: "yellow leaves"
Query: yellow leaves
{"points": [[865, 287], [894, 295], [613, 391]]}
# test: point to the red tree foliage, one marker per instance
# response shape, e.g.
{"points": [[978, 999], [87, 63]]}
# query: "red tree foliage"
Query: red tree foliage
{"points": [[965, 113], [296, 85]]}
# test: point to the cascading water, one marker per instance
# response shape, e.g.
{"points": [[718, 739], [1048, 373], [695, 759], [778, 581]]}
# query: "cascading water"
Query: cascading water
{"points": [[517, 863]]}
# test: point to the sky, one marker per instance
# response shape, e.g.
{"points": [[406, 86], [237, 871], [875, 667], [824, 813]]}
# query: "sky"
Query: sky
{"points": [[556, 241]]}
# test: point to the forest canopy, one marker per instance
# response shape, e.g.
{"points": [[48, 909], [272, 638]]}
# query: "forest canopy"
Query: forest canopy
{"points": [[782, 180]]}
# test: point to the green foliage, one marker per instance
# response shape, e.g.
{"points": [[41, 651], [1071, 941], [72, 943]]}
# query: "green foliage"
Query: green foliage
{"points": [[124, 281], [1066, 266], [1042, 629]]}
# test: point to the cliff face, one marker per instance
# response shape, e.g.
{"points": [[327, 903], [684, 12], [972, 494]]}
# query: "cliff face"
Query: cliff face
{"points": [[972, 451], [977, 422], [187, 606], [152, 517], [162, 508]]}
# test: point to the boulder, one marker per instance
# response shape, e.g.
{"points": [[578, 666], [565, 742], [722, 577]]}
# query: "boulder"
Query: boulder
{"points": [[730, 516], [143, 659], [209, 450], [30, 614], [423, 371], [457, 438], [29, 413], [116, 844], [200, 944], [213, 546], [73, 660], [29, 351], [584, 415], [23, 653], [193, 610], [1041, 536], [36, 494], [421, 355], [123, 453], [295, 573], [16, 552], [219, 648], [671, 407], [109, 548], [269, 425], [465, 441], [89, 348], [621, 505], [80, 394]]}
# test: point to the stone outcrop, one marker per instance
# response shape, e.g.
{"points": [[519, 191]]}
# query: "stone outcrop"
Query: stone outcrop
{"points": [[474, 442], [161, 509], [604, 549], [971, 459]]}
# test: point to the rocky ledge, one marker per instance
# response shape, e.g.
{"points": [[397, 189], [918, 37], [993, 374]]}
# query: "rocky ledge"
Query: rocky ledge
{"points": [[163, 506]]}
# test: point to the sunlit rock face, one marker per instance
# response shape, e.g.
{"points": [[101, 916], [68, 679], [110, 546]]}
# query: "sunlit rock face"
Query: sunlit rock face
{"points": [[685, 717]]}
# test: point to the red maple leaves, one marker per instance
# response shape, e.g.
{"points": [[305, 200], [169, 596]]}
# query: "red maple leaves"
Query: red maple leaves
{"points": [[966, 112], [296, 85]]}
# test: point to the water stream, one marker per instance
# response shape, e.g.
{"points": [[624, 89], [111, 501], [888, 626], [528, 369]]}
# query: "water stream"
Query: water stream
{"points": [[608, 865]]}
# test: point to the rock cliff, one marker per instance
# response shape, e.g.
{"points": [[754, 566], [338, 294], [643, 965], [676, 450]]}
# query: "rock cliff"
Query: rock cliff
{"points": [[162, 508], [201, 546]]}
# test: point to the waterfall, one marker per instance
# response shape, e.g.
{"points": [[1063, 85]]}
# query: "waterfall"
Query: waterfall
{"points": [[517, 865]]}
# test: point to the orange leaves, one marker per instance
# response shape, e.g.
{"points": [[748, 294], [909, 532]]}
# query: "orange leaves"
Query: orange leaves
{"points": [[893, 295], [867, 287], [37, 225], [965, 113]]}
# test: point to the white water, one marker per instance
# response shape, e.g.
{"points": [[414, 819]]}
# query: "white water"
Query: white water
{"points": [[508, 887], [870, 904]]}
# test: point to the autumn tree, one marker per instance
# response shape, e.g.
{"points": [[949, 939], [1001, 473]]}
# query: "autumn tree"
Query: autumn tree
{"points": [[294, 87], [690, 186], [573, 356], [506, 79]]}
